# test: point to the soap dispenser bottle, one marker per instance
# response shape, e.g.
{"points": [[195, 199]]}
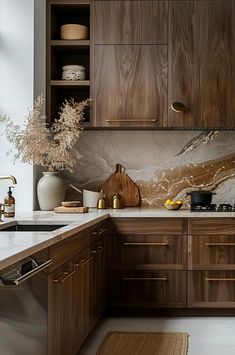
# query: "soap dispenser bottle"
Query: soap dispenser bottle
{"points": [[9, 205]]}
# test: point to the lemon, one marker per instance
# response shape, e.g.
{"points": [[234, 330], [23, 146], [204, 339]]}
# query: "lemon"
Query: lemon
{"points": [[171, 203], [168, 202], [179, 202]]}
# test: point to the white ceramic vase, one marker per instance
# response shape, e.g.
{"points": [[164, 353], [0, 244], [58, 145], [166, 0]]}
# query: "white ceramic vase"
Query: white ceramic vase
{"points": [[50, 191]]}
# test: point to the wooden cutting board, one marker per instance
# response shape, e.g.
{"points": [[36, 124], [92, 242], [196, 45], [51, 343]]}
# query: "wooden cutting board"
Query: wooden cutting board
{"points": [[62, 209], [121, 183]]}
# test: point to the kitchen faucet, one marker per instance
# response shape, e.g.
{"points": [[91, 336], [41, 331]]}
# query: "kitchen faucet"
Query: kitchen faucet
{"points": [[6, 177]]}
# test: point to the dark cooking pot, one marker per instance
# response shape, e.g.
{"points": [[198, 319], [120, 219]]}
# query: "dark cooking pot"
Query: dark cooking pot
{"points": [[201, 197]]}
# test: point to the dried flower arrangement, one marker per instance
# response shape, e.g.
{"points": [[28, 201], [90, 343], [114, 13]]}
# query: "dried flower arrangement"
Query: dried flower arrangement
{"points": [[53, 147]]}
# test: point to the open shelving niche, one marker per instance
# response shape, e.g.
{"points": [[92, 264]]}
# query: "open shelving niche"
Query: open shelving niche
{"points": [[66, 52]]}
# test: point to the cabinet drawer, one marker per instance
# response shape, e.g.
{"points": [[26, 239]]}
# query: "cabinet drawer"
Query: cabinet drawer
{"points": [[212, 252], [150, 226], [215, 289], [98, 231], [148, 289], [147, 250], [212, 226], [66, 249]]}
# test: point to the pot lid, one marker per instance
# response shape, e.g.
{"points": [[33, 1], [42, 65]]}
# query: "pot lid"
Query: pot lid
{"points": [[203, 192]]}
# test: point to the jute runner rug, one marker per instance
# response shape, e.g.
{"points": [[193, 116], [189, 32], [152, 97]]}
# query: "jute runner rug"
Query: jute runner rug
{"points": [[144, 343]]}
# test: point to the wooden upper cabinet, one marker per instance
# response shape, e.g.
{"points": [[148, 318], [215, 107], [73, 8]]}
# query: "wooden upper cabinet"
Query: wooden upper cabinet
{"points": [[201, 63], [130, 85], [130, 22]]}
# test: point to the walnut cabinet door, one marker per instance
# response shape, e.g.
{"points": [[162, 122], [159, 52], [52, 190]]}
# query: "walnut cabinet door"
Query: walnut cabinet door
{"points": [[130, 85], [201, 64]]}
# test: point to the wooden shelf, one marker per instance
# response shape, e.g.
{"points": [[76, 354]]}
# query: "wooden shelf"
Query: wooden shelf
{"points": [[70, 84], [70, 2], [68, 43]]}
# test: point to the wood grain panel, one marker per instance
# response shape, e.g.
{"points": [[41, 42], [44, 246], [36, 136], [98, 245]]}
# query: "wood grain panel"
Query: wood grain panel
{"points": [[156, 289], [143, 250], [212, 226], [150, 226], [130, 22], [213, 252], [130, 85], [66, 249], [212, 289], [183, 64], [201, 57], [60, 293], [217, 56]]}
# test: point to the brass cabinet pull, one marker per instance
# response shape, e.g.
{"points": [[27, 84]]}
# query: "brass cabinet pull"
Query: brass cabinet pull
{"points": [[147, 244], [87, 261], [145, 279], [64, 277], [77, 265], [99, 250], [178, 107], [219, 244], [132, 120], [219, 279], [100, 231]]}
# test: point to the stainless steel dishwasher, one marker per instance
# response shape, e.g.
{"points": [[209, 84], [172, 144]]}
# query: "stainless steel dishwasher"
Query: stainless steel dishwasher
{"points": [[23, 307]]}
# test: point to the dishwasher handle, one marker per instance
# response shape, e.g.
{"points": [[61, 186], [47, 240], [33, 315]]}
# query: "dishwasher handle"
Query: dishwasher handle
{"points": [[28, 275]]}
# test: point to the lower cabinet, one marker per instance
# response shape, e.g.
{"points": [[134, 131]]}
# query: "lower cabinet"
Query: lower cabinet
{"points": [[60, 310], [77, 297], [148, 289], [211, 289]]}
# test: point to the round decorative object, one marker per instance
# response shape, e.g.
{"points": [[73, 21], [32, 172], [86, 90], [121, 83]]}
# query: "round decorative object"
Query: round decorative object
{"points": [[73, 72], [172, 207], [70, 203], [50, 191], [74, 32]]}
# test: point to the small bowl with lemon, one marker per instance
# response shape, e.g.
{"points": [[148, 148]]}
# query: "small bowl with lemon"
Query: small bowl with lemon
{"points": [[173, 205]]}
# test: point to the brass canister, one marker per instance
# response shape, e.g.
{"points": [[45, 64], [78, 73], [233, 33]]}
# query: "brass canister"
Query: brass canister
{"points": [[117, 201]]}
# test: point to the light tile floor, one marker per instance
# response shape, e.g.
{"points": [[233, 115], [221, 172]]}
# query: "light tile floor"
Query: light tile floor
{"points": [[208, 336]]}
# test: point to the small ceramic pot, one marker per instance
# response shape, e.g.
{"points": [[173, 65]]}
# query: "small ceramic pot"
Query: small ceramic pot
{"points": [[73, 72], [90, 198]]}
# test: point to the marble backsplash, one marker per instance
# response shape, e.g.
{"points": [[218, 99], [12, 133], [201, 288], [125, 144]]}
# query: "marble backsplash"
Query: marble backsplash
{"points": [[162, 163]]}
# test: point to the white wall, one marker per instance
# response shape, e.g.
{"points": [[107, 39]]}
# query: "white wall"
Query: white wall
{"points": [[16, 89], [39, 68]]}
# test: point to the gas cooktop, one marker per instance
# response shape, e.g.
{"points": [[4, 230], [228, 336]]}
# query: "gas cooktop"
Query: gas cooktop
{"points": [[223, 207]]}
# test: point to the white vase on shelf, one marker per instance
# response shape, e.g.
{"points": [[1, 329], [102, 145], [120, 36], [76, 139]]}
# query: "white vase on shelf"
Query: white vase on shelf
{"points": [[50, 190]]}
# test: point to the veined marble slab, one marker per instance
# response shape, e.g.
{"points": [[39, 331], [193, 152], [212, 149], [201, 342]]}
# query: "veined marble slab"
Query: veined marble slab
{"points": [[158, 162]]}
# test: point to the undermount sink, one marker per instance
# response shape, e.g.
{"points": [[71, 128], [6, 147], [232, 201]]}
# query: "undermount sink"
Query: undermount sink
{"points": [[32, 227]]}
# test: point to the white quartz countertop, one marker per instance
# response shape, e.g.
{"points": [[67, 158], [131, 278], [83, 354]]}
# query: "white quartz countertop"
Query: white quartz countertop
{"points": [[14, 246]]}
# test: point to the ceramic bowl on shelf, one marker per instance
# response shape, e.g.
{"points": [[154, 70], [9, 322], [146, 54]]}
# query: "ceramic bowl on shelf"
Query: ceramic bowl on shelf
{"points": [[172, 206], [74, 32], [73, 72]]}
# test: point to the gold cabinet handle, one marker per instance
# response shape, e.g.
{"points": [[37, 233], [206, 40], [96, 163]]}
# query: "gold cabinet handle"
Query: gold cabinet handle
{"points": [[147, 244], [64, 277], [144, 278], [219, 279], [99, 232], [178, 107], [99, 250], [132, 120], [87, 260], [219, 244]]}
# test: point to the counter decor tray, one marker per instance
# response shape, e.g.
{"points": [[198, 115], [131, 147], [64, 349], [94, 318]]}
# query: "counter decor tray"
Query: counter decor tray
{"points": [[62, 209]]}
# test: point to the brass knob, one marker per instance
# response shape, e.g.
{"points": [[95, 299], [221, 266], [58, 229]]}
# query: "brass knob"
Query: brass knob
{"points": [[178, 107]]}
